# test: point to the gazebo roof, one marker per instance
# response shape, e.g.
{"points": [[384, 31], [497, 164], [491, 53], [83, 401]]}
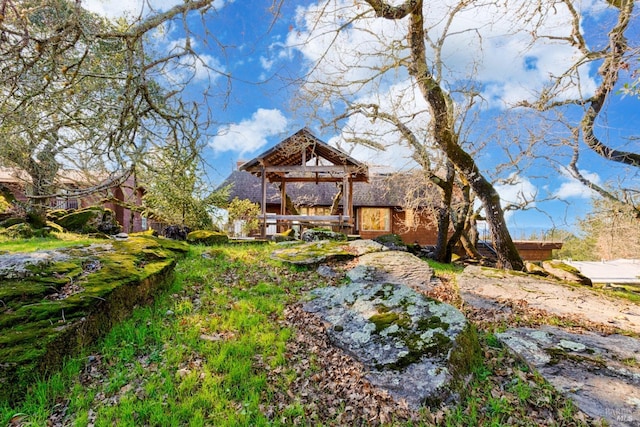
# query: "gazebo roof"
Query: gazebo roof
{"points": [[302, 157]]}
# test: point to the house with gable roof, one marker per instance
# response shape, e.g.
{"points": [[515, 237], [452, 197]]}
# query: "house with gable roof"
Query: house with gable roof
{"points": [[312, 175], [120, 193]]}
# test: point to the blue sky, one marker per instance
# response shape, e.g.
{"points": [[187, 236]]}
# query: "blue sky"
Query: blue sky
{"points": [[263, 54]]}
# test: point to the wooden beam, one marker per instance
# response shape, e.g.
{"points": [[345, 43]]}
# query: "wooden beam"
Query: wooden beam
{"points": [[310, 179], [346, 195], [283, 197], [263, 231], [310, 218], [325, 168], [350, 211]]}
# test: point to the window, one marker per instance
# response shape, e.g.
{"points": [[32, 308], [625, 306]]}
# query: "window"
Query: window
{"points": [[410, 218], [376, 219], [315, 210], [64, 203]]}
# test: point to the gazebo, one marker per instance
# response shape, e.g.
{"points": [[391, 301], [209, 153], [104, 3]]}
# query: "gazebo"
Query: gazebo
{"points": [[302, 157]]}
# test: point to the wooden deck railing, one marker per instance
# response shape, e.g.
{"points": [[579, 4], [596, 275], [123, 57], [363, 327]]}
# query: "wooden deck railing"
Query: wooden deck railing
{"points": [[308, 221]]}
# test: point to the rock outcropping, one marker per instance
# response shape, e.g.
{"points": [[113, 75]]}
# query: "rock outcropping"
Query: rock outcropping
{"points": [[404, 338], [382, 318], [600, 374]]}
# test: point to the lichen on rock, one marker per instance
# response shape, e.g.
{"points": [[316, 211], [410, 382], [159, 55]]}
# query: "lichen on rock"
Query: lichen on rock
{"points": [[317, 234], [601, 374], [313, 252], [402, 336]]}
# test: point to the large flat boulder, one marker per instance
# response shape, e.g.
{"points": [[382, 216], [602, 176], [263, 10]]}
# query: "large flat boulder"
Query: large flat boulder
{"points": [[601, 374], [565, 272], [404, 338], [489, 288], [397, 267]]}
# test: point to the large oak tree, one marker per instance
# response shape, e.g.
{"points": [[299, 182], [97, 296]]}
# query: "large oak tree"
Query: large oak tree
{"points": [[78, 90]]}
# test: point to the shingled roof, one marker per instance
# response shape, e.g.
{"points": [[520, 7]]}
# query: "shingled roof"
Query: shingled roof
{"points": [[381, 190]]}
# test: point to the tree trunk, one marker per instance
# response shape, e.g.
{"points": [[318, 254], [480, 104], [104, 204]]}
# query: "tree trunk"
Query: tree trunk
{"points": [[444, 133], [444, 215], [470, 247], [459, 224], [289, 206], [335, 204], [43, 175], [469, 238], [447, 139]]}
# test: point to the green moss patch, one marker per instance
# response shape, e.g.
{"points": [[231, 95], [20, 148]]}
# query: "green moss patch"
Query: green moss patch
{"points": [[207, 238], [385, 319], [64, 305], [93, 219], [6, 199], [313, 252]]}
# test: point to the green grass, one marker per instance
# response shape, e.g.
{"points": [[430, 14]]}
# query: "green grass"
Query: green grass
{"points": [[212, 350], [188, 359], [627, 292], [442, 269], [55, 240]]}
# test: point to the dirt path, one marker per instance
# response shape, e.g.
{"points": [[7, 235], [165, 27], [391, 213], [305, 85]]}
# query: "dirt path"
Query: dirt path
{"points": [[490, 289]]}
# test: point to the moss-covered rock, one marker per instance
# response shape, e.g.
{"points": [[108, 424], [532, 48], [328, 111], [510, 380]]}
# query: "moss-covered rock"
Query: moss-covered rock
{"points": [[314, 252], [90, 220], [149, 232], [533, 268], [405, 339], [565, 272], [20, 230], [207, 238], [12, 221], [55, 214], [6, 199], [287, 236], [54, 227], [392, 241], [586, 367], [317, 234], [73, 297]]}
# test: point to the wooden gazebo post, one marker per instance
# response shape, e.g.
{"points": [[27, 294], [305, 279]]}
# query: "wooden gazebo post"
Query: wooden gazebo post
{"points": [[263, 207], [283, 200]]}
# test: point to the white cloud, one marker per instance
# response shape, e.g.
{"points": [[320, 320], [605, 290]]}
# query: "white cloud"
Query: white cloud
{"points": [[190, 68], [251, 134], [491, 44], [136, 8], [399, 99], [572, 188], [130, 8], [197, 68], [517, 190]]}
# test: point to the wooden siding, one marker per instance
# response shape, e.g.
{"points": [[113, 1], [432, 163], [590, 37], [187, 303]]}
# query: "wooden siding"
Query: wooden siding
{"points": [[536, 251]]}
